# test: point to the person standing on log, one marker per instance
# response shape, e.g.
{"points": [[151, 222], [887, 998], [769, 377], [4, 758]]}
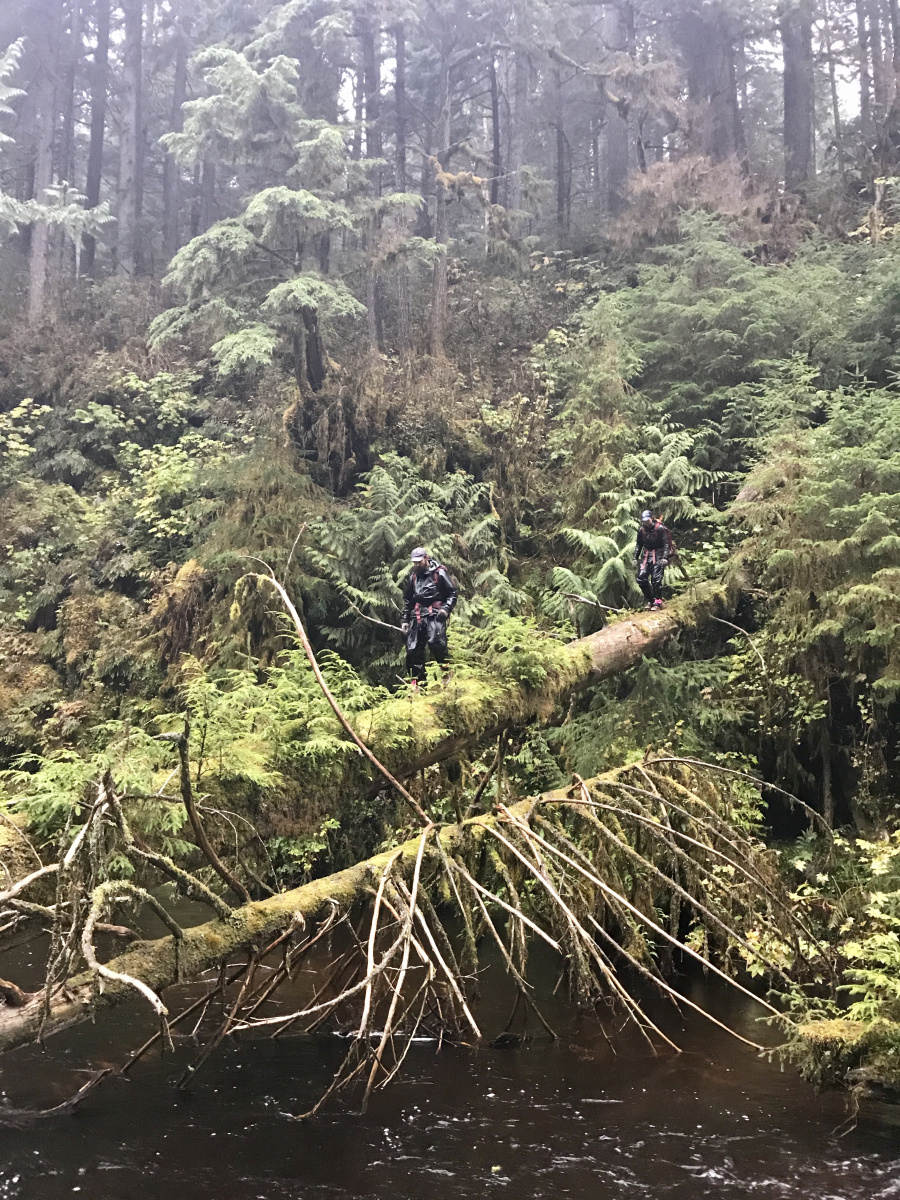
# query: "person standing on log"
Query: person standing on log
{"points": [[652, 552], [429, 597]]}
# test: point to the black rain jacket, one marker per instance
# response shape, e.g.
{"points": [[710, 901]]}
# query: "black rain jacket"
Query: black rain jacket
{"points": [[654, 544], [428, 594]]}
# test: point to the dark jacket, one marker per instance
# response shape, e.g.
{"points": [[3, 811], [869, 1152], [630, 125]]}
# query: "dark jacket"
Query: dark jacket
{"points": [[428, 594], [655, 543]]}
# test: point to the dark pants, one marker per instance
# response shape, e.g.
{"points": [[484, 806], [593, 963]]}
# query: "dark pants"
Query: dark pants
{"points": [[428, 633], [650, 578]]}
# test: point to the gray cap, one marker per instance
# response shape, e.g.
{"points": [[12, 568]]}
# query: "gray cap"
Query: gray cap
{"points": [[646, 515], [418, 554]]}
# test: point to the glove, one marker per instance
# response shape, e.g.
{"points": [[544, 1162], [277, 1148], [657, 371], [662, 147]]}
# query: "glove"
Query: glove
{"points": [[442, 614], [404, 628]]}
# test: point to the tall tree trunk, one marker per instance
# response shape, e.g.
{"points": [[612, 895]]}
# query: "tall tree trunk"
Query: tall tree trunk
{"points": [[400, 180], [99, 91], [496, 154], [799, 93], [879, 74], [207, 195], [424, 222], [400, 124], [130, 139], [316, 369], [561, 155], [370, 36], [887, 36], [865, 78], [46, 34], [171, 168], [616, 35], [827, 782], [73, 58], [894, 11], [359, 111], [519, 119], [441, 219], [833, 86], [596, 178], [706, 39]]}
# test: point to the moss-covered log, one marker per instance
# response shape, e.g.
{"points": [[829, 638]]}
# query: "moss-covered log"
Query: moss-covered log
{"points": [[457, 716], [863, 1056], [154, 962]]}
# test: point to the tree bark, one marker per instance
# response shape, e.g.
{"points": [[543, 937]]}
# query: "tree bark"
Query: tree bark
{"points": [[46, 33], [441, 219], [894, 10], [171, 169], [879, 74], [616, 36], [400, 180], [563, 171], [518, 122], [833, 87], [207, 195], [73, 58], [706, 39], [359, 112], [99, 91], [496, 152], [865, 78], [370, 34], [130, 140], [369, 37], [799, 93]]}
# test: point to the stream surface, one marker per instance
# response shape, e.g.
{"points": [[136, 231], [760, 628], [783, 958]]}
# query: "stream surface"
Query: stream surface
{"points": [[544, 1119]]}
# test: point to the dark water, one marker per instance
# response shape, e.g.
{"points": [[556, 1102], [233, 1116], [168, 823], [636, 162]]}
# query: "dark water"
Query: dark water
{"points": [[543, 1120]]}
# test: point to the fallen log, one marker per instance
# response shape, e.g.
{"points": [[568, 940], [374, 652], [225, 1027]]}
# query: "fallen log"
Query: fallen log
{"points": [[156, 964], [564, 860], [460, 714]]}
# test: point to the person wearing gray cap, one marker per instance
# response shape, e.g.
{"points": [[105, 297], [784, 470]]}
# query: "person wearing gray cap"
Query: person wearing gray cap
{"points": [[429, 596], [652, 552]]}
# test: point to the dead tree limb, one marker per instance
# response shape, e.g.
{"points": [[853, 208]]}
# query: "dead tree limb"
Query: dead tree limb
{"points": [[187, 795]]}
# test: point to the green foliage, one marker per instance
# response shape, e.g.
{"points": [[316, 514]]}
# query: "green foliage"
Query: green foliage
{"points": [[245, 352], [516, 650], [707, 317], [55, 791], [363, 551], [293, 858], [17, 429], [686, 707], [850, 894], [824, 524]]}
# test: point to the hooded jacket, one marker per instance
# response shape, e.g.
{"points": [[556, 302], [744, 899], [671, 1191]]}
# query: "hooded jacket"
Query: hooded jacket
{"points": [[428, 594], [654, 543]]}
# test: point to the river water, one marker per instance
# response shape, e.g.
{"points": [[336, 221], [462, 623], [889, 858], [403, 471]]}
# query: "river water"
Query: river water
{"points": [[573, 1118]]}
